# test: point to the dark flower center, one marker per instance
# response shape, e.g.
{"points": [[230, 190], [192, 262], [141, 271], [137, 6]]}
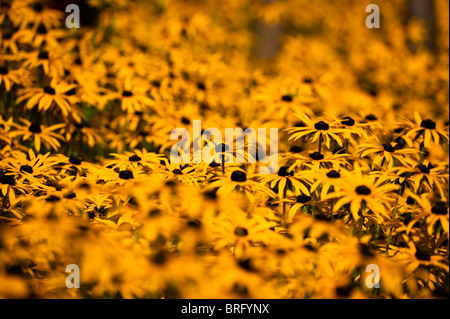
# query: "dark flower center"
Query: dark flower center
{"points": [[429, 124], [389, 148], [295, 149], [49, 90], [348, 121], [126, 174], [4, 70], [283, 171], [71, 92], [316, 156], [8, 180], [300, 124], [246, 264], [127, 94], [194, 223], [78, 61], [410, 200], [185, 120], [27, 169], [308, 80], [156, 83], [424, 169], [363, 190], [238, 176], [365, 250], [154, 213], [74, 160], [240, 231], [371, 117], [221, 148], [38, 7], [35, 128], [321, 126], [344, 291], [41, 29], [80, 126], [422, 255], [52, 199], [440, 208], [214, 164], [134, 158], [303, 199], [211, 194], [177, 171], [333, 174], [70, 195], [287, 98], [201, 86], [43, 55], [159, 258]]}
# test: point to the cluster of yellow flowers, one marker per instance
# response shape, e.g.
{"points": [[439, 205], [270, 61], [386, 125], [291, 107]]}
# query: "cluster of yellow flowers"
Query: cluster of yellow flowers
{"points": [[86, 177]]}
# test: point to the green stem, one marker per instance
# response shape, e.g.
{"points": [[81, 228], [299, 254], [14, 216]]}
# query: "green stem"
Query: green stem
{"points": [[346, 152], [284, 208], [388, 242], [320, 143], [422, 152], [223, 164]]}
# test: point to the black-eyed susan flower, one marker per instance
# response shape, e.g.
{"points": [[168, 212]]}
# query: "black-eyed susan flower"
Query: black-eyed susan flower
{"points": [[386, 153], [50, 96], [39, 134], [239, 180], [427, 128], [316, 131], [366, 190]]}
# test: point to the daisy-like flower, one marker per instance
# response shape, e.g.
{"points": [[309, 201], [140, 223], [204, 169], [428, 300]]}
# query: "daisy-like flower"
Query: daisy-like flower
{"points": [[50, 96], [9, 77], [327, 180], [31, 168], [238, 231], [415, 257], [36, 12], [434, 215], [9, 41], [299, 203], [365, 189], [424, 175], [316, 131], [51, 61], [41, 35], [39, 133], [9, 185], [134, 97], [427, 128], [315, 160], [354, 127], [239, 180], [286, 179], [137, 158], [185, 173], [386, 153]]}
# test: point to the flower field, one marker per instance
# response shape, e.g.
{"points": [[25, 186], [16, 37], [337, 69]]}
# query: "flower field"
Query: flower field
{"points": [[86, 176]]}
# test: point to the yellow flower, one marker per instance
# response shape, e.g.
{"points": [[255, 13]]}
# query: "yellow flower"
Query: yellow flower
{"points": [[39, 134], [51, 96], [365, 195]]}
